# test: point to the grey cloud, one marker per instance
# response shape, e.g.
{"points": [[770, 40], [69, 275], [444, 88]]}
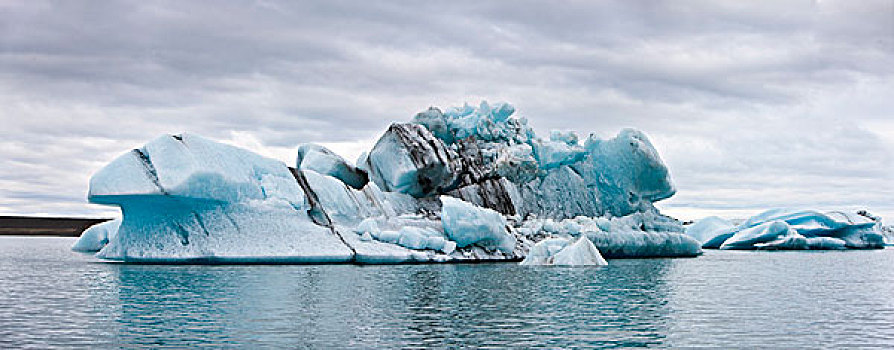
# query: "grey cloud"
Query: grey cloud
{"points": [[751, 104]]}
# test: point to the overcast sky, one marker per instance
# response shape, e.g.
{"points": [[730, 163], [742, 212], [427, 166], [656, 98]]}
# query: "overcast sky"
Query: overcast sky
{"points": [[752, 105]]}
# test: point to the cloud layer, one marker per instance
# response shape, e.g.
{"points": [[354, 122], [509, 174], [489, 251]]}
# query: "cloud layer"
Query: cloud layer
{"points": [[751, 105]]}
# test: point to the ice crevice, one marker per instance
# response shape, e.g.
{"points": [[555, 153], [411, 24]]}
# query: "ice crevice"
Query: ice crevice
{"points": [[149, 169], [316, 212]]}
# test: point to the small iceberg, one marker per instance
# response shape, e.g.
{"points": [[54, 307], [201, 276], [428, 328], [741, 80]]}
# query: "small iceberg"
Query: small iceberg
{"points": [[97, 236], [785, 229], [564, 252]]}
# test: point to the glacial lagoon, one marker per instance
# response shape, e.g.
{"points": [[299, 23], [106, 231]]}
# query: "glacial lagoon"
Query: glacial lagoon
{"points": [[57, 298]]}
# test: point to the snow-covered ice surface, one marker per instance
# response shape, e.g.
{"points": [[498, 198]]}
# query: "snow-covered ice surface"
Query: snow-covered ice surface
{"points": [[787, 229], [465, 184]]}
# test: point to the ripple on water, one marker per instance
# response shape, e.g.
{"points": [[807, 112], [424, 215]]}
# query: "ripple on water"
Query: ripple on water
{"points": [[55, 298]]}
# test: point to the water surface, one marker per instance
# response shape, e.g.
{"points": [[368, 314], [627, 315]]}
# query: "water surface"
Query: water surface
{"points": [[51, 297]]}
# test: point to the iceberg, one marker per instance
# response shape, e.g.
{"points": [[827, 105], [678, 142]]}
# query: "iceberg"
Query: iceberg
{"points": [[542, 252], [186, 198], [97, 236], [791, 230], [564, 252], [466, 184]]}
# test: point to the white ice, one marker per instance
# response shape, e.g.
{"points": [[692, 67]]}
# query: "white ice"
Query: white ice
{"points": [[791, 229], [564, 252], [185, 198], [438, 189], [708, 228], [636, 235], [97, 236], [321, 160], [467, 224], [772, 231]]}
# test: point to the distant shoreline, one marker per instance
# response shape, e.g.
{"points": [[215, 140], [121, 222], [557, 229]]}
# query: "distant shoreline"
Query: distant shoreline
{"points": [[45, 226]]}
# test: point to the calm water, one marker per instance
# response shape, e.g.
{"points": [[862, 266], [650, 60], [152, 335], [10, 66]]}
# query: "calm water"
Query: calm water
{"points": [[51, 297]]}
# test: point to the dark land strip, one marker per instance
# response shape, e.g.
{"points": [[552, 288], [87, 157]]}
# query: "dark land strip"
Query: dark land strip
{"points": [[45, 226]]}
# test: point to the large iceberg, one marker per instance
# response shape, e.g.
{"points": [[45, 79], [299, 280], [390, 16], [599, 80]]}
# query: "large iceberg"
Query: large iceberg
{"points": [[467, 184], [786, 229], [186, 198]]}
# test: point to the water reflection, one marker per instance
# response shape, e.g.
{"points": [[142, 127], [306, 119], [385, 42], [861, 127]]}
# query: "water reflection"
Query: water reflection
{"points": [[54, 298], [384, 306], [784, 299], [172, 305]]}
